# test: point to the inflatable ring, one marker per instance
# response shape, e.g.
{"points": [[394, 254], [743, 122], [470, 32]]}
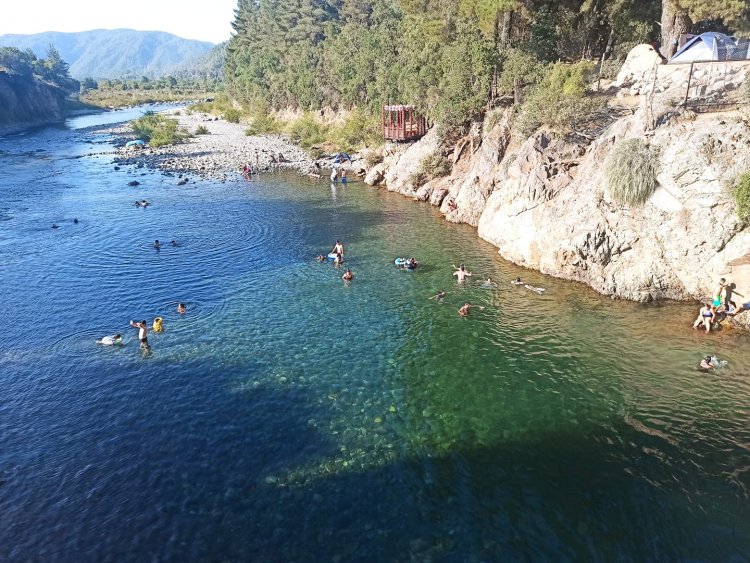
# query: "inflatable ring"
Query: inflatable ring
{"points": [[157, 326]]}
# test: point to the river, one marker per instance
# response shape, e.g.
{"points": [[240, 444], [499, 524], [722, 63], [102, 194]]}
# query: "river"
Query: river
{"points": [[290, 417]]}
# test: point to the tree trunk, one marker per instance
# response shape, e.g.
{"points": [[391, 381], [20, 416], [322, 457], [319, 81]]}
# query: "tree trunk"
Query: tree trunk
{"points": [[505, 32], [674, 22]]}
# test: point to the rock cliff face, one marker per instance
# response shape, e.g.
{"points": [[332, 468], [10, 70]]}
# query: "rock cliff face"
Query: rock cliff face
{"points": [[26, 101], [542, 201]]}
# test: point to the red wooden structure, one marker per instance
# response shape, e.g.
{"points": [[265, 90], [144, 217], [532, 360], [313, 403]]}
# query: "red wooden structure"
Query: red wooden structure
{"points": [[402, 123]]}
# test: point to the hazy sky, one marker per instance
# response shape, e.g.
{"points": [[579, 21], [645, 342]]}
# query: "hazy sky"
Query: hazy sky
{"points": [[207, 20]]}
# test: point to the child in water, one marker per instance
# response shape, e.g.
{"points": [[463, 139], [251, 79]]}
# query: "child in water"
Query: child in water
{"points": [[114, 340]]}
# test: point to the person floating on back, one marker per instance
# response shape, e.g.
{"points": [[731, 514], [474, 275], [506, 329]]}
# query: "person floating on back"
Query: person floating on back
{"points": [[114, 340]]}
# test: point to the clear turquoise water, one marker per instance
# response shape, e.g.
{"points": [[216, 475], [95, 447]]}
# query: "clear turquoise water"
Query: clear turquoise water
{"points": [[290, 417]]}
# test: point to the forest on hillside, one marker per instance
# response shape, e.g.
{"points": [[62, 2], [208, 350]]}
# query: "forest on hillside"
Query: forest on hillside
{"points": [[450, 58], [25, 66]]}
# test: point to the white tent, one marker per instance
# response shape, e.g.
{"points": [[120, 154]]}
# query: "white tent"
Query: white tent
{"points": [[711, 46]]}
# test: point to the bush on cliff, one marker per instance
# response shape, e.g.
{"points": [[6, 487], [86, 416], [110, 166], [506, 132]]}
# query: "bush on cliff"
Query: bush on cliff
{"points": [[630, 171], [741, 195], [559, 99]]}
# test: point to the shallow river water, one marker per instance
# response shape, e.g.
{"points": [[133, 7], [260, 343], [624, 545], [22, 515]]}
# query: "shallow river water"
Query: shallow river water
{"points": [[290, 417]]}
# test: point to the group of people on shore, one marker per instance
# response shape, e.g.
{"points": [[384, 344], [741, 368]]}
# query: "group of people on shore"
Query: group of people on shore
{"points": [[720, 306]]}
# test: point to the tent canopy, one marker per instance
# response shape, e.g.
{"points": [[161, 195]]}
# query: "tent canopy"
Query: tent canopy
{"points": [[712, 46]]}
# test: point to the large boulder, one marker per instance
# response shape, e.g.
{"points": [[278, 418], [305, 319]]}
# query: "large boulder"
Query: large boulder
{"points": [[639, 64]]}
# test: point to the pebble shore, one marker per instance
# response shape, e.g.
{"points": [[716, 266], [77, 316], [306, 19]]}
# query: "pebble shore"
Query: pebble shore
{"points": [[217, 155]]}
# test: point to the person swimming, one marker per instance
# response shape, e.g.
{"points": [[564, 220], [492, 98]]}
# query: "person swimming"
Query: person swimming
{"points": [[348, 275], [174, 243], [706, 364], [465, 310], [461, 273], [157, 244], [320, 258], [530, 287], [338, 260], [114, 340], [518, 281], [439, 295], [489, 283], [181, 308]]}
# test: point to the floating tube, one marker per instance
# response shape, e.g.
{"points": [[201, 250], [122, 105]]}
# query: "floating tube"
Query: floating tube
{"points": [[404, 263], [157, 326], [332, 256]]}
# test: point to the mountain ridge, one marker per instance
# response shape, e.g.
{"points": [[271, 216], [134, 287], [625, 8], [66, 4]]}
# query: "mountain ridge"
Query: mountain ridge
{"points": [[114, 53]]}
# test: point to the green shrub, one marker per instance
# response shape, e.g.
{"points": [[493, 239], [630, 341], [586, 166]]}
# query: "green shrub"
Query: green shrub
{"points": [[741, 195], [307, 132], [630, 171], [559, 100], [202, 130], [157, 129], [358, 131], [263, 123], [435, 166], [232, 115], [371, 157]]}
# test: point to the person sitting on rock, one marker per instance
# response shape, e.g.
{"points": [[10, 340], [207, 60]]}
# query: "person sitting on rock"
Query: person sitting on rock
{"points": [[452, 205], [706, 316]]}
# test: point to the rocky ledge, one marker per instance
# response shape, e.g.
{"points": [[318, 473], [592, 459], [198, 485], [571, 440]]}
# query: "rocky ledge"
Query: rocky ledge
{"points": [[542, 201]]}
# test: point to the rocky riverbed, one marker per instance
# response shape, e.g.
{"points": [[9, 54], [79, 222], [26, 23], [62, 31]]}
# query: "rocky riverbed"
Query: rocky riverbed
{"points": [[217, 155]]}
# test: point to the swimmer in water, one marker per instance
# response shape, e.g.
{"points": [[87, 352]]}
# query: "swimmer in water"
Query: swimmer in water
{"points": [[115, 340], [348, 275], [461, 273], [489, 283], [439, 295], [338, 260], [157, 244], [465, 310], [75, 221], [320, 258], [55, 226], [181, 308], [174, 243], [518, 281], [338, 248], [706, 364], [539, 290], [142, 333]]}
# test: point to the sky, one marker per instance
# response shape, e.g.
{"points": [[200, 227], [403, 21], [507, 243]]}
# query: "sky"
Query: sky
{"points": [[207, 20]]}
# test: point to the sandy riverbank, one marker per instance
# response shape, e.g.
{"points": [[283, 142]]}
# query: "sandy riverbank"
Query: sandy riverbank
{"points": [[217, 155]]}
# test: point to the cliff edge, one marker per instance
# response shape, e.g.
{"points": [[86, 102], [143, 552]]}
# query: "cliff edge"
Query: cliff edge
{"points": [[543, 200]]}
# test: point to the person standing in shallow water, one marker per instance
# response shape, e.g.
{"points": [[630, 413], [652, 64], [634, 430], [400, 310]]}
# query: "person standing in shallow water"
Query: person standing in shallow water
{"points": [[338, 248], [142, 333], [461, 273]]}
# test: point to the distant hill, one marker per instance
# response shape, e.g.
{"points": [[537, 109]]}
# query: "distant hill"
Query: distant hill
{"points": [[115, 53], [206, 67]]}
